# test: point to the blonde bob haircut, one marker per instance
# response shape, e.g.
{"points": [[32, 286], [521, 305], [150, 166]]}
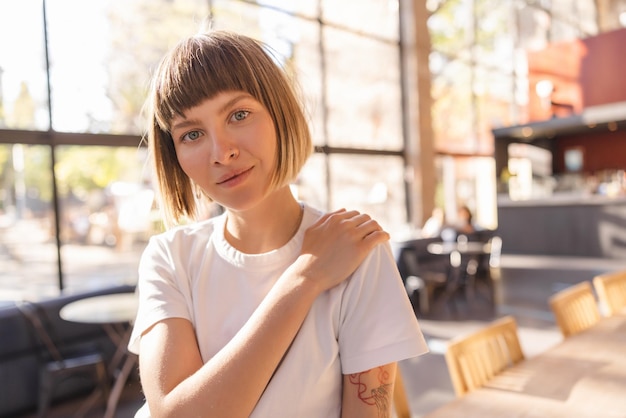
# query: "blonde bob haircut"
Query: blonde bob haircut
{"points": [[199, 68]]}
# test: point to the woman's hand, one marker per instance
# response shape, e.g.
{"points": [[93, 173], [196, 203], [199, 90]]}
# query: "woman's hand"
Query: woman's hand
{"points": [[336, 244]]}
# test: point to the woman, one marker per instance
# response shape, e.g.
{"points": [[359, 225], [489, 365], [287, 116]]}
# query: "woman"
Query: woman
{"points": [[272, 309]]}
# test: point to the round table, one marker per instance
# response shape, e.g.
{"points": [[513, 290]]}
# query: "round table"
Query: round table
{"points": [[470, 248], [106, 309]]}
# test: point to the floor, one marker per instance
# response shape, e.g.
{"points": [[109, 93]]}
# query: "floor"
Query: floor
{"points": [[130, 400], [522, 290]]}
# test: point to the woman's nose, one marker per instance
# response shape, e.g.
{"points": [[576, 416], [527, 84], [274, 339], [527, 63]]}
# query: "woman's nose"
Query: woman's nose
{"points": [[224, 149]]}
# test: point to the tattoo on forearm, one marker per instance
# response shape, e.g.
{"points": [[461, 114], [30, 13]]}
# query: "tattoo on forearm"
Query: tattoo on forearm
{"points": [[378, 396]]}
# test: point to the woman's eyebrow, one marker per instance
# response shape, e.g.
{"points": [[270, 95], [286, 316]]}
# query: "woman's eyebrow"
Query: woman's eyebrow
{"points": [[222, 109], [184, 124], [234, 100]]}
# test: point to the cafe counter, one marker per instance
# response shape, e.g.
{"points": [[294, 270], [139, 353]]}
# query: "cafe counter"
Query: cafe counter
{"points": [[564, 225]]}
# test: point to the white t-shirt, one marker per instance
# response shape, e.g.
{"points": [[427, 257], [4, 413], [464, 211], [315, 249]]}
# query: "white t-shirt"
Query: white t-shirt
{"points": [[366, 321]]}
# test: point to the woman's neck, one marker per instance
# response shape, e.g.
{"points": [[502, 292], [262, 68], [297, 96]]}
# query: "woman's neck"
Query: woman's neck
{"points": [[266, 227]]}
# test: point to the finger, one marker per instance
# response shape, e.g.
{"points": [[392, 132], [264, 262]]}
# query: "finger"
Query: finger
{"points": [[359, 219], [376, 237], [334, 218], [369, 226], [325, 217], [345, 214]]}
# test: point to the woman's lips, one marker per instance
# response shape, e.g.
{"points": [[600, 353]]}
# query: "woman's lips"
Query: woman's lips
{"points": [[235, 178]]}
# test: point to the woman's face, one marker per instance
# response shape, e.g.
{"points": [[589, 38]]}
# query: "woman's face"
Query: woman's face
{"points": [[227, 146]]}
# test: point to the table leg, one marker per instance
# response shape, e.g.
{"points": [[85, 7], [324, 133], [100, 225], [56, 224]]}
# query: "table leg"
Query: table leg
{"points": [[89, 403], [120, 382], [120, 338]]}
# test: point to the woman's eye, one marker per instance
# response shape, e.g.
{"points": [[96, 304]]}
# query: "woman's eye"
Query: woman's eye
{"points": [[191, 136], [240, 115]]}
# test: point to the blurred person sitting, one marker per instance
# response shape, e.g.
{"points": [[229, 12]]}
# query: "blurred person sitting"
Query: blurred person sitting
{"points": [[464, 223]]}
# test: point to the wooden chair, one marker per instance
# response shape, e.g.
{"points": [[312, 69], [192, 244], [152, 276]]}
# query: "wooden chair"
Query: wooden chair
{"points": [[611, 291], [400, 401], [575, 308], [57, 364], [475, 359]]}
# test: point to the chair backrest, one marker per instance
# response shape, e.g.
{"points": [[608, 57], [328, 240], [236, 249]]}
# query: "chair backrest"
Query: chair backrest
{"points": [[476, 358], [36, 318], [575, 308], [400, 402], [611, 291]]}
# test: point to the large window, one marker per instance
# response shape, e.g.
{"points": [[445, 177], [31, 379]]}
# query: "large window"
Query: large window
{"points": [[76, 199]]}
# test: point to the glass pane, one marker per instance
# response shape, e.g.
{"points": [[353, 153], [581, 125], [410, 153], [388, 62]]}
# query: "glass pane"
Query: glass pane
{"points": [[311, 185], [79, 80], [495, 93], [307, 8], [453, 109], [94, 86], [450, 28], [23, 85], [107, 214], [296, 42], [568, 19], [364, 100], [533, 27], [376, 17], [28, 256], [494, 42], [372, 184]]}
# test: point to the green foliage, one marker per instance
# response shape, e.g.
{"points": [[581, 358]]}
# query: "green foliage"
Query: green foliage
{"points": [[447, 31], [37, 177], [82, 169], [79, 169], [5, 151]]}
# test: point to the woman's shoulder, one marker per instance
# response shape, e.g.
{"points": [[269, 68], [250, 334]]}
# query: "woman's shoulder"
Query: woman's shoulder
{"points": [[312, 211], [192, 231]]}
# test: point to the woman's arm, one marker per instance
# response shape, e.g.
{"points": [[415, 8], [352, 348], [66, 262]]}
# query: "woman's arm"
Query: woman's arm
{"points": [[177, 384], [369, 394], [175, 381]]}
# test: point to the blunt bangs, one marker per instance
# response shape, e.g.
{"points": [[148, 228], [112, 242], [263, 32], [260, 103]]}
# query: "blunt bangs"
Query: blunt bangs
{"points": [[198, 69]]}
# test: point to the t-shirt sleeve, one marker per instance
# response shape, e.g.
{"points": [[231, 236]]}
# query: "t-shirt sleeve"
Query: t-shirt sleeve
{"points": [[160, 290], [377, 323]]}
